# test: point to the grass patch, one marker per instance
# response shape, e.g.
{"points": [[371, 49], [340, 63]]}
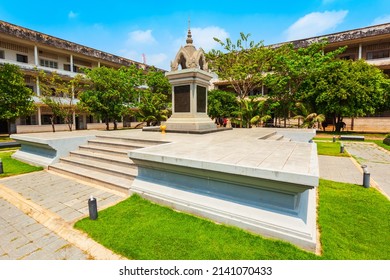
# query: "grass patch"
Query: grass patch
{"points": [[5, 138], [353, 223], [139, 229], [330, 149], [13, 167], [330, 134]]}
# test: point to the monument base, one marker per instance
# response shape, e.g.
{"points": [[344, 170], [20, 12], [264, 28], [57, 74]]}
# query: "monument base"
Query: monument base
{"points": [[191, 124]]}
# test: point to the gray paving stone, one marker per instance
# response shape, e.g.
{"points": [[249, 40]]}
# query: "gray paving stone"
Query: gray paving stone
{"points": [[24, 238], [377, 161]]}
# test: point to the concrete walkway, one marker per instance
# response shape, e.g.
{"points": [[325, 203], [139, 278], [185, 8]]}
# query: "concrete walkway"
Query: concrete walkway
{"points": [[37, 212], [377, 160], [348, 170]]}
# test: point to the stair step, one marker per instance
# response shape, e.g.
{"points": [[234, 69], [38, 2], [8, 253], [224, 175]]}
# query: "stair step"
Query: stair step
{"points": [[108, 168], [119, 160], [120, 144], [274, 137], [104, 150], [103, 179], [268, 135], [143, 142]]}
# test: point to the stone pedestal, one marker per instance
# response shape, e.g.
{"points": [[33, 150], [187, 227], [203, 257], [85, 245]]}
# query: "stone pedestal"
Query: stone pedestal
{"points": [[189, 101]]}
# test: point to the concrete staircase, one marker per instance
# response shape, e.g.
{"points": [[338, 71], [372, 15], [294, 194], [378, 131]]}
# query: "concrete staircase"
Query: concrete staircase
{"points": [[274, 136], [104, 161]]}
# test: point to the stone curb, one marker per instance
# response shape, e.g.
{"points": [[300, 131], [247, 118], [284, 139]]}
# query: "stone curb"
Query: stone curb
{"points": [[57, 225]]}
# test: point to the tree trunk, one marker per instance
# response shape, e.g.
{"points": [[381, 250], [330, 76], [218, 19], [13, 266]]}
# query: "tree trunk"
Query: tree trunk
{"points": [[52, 123], [115, 125], [107, 124]]}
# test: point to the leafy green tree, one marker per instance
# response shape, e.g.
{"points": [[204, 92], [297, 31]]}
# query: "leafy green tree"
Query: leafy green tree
{"points": [[110, 92], [152, 108], [291, 68], [154, 97], [157, 82], [349, 89], [221, 103], [243, 64], [59, 93], [16, 99]]}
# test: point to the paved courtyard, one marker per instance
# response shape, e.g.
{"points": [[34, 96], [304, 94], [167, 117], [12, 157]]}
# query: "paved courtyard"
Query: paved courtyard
{"points": [[23, 238], [37, 212]]}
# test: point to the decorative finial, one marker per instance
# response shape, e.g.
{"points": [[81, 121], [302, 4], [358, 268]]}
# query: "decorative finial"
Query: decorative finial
{"points": [[189, 36]]}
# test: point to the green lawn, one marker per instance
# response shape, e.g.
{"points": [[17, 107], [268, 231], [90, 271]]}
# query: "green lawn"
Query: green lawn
{"points": [[13, 167], [330, 149], [353, 222]]}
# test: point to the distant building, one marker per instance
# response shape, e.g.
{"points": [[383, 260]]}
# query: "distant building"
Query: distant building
{"points": [[32, 50]]}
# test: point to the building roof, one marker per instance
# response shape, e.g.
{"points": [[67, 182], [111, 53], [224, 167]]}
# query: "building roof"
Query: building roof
{"points": [[51, 41], [345, 37]]}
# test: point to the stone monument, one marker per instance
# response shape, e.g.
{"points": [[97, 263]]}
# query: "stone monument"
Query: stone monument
{"points": [[190, 85]]}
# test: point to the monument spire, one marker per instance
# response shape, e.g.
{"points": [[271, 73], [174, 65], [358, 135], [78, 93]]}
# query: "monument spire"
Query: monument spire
{"points": [[189, 36]]}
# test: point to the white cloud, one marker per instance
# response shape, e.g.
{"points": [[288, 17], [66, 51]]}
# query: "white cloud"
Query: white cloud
{"points": [[158, 59], [141, 37], [382, 19], [203, 37], [72, 14], [315, 24]]}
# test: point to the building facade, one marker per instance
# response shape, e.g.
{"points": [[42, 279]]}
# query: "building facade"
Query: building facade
{"points": [[31, 51]]}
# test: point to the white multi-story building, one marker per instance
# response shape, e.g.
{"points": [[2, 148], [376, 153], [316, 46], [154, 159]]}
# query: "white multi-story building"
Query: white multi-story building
{"points": [[32, 50]]}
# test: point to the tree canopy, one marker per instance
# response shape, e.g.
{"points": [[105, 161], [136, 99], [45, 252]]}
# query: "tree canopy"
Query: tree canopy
{"points": [[59, 95], [154, 98], [243, 65], [348, 88], [110, 92], [16, 99]]}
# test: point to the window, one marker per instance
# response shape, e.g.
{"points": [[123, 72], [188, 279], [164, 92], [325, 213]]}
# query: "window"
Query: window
{"points": [[49, 63], [21, 58], [76, 69], [348, 57], [2, 56], [378, 54]]}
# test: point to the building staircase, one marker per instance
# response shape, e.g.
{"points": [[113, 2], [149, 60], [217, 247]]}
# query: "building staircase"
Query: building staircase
{"points": [[103, 160]]}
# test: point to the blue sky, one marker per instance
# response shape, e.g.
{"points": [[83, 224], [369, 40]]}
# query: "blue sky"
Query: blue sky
{"points": [[158, 28]]}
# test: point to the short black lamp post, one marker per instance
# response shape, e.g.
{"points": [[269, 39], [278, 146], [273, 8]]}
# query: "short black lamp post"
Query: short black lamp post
{"points": [[342, 148], [92, 206], [366, 177], [1, 167], [334, 139]]}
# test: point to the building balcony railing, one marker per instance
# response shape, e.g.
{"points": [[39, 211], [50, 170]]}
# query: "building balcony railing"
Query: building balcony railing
{"points": [[379, 61], [33, 67]]}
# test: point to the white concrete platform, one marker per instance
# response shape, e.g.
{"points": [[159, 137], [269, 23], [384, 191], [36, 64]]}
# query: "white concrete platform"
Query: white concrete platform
{"points": [[235, 177], [46, 148]]}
